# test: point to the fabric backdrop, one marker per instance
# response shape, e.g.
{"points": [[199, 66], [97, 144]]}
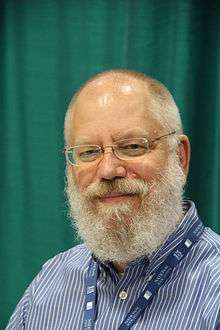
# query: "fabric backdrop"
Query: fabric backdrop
{"points": [[48, 49]]}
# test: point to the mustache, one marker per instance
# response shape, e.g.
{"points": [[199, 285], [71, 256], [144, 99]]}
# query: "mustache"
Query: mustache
{"points": [[119, 186]]}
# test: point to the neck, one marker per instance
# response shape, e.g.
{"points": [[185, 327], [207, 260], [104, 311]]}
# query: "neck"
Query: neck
{"points": [[119, 266]]}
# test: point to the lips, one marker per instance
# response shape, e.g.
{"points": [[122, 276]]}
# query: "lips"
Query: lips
{"points": [[115, 197]]}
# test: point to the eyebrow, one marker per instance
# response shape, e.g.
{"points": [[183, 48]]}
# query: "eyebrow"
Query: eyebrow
{"points": [[131, 133], [83, 142], [83, 139]]}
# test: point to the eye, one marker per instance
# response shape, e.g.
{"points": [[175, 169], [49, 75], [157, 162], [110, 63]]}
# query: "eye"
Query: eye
{"points": [[133, 146], [87, 153], [133, 149]]}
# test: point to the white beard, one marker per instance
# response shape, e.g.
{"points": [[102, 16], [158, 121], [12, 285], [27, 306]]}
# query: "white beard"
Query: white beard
{"points": [[105, 228]]}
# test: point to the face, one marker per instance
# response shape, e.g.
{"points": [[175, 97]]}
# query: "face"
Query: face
{"points": [[105, 114], [123, 193]]}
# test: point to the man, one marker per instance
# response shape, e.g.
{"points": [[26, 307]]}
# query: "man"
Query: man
{"points": [[147, 261]]}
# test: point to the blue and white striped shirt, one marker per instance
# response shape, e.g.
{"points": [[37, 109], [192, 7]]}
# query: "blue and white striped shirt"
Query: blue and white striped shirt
{"points": [[189, 299]]}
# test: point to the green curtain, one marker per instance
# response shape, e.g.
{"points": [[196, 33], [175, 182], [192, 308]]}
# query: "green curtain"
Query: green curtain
{"points": [[48, 49]]}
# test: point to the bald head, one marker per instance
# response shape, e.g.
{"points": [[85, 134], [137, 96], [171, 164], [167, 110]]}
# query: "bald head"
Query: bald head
{"points": [[156, 96]]}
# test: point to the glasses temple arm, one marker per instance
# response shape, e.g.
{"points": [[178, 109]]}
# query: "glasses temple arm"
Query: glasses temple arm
{"points": [[160, 137]]}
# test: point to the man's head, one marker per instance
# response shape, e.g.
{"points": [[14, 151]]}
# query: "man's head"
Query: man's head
{"points": [[125, 202]]}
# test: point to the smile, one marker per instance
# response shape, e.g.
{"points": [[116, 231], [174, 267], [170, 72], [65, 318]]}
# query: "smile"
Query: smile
{"points": [[115, 198]]}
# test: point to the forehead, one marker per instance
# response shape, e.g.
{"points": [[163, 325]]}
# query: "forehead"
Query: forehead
{"points": [[110, 108]]}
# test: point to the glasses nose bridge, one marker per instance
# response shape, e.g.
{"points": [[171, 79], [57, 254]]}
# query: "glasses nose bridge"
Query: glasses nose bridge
{"points": [[109, 148]]}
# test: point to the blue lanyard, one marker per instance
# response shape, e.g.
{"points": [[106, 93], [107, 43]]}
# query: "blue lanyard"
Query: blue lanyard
{"points": [[146, 297]]}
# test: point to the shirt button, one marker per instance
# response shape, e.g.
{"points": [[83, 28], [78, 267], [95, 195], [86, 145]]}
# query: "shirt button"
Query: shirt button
{"points": [[123, 295]]}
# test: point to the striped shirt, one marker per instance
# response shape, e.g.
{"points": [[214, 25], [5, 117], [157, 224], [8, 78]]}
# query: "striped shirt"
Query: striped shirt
{"points": [[189, 299]]}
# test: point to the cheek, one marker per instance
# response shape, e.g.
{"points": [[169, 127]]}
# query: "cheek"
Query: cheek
{"points": [[146, 170], [83, 177]]}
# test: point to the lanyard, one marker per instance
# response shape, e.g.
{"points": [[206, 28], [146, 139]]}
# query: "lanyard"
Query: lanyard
{"points": [[146, 297]]}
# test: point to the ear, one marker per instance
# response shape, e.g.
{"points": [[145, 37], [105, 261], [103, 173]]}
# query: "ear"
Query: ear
{"points": [[184, 153]]}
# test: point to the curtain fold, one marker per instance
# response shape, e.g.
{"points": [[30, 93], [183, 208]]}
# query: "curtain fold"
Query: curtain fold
{"points": [[48, 49]]}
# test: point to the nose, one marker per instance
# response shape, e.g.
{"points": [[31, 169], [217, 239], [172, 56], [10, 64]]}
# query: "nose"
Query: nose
{"points": [[110, 167]]}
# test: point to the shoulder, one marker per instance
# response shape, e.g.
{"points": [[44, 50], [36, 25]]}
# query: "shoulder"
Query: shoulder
{"points": [[75, 258], [212, 240], [202, 264], [210, 244], [70, 264], [209, 277], [74, 261], [68, 269], [207, 258]]}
